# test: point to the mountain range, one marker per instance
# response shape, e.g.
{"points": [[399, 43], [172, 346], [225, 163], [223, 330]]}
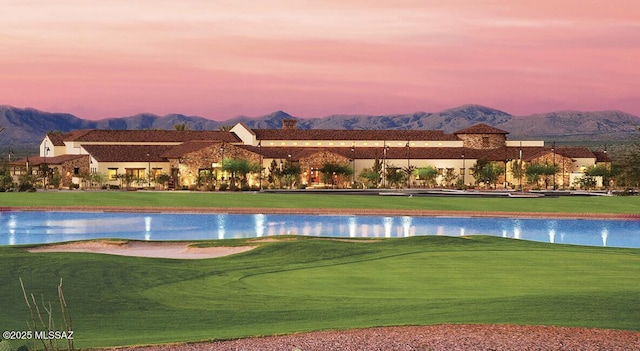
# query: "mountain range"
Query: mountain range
{"points": [[24, 128]]}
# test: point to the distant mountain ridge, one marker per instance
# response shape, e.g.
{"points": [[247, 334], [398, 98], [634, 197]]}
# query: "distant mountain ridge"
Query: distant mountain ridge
{"points": [[25, 128]]}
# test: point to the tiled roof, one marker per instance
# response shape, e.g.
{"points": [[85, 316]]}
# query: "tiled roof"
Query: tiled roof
{"points": [[178, 151], [435, 153], [602, 156], [52, 160], [128, 153], [138, 136], [481, 129], [575, 152], [57, 139], [341, 134]]}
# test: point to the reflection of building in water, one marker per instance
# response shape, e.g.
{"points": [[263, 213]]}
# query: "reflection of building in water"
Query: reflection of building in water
{"points": [[222, 222], [604, 234], [552, 231], [406, 226], [517, 229], [388, 224], [364, 230], [12, 229], [259, 220], [147, 228], [353, 226]]}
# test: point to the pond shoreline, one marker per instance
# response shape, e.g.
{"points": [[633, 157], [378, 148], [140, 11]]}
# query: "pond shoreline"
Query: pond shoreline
{"points": [[327, 211]]}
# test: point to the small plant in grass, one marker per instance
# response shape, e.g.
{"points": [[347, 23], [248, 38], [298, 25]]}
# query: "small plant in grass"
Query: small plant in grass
{"points": [[42, 326]]}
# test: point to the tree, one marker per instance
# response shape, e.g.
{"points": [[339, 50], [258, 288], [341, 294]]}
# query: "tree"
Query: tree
{"points": [[488, 172], [6, 181], [163, 179], [97, 178], [395, 176], [377, 168], [476, 169], [330, 170], [291, 172], [369, 177], [593, 173], [533, 172], [408, 172], [427, 175], [450, 176], [239, 168], [537, 171], [550, 171], [275, 173], [56, 178], [518, 171], [44, 174], [207, 179], [585, 182], [27, 180]]}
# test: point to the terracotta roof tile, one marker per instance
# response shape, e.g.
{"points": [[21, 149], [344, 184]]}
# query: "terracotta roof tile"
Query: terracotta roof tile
{"points": [[575, 152], [138, 136], [435, 153], [57, 139], [343, 134], [481, 129], [128, 153], [602, 156], [178, 151], [51, 160]]}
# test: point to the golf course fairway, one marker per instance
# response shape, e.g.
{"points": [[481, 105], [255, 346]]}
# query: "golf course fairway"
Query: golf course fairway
{"points": [[296, 284]]}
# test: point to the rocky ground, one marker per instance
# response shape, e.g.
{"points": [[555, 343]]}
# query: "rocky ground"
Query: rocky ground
{"points": [[431, 338]]}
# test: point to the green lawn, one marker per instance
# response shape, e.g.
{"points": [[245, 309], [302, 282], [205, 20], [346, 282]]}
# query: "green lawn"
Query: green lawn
{"points": [[317, 283], [595, 204]]}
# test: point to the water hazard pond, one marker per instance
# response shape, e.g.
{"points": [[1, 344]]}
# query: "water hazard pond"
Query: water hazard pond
{"points": [[49, 227]]}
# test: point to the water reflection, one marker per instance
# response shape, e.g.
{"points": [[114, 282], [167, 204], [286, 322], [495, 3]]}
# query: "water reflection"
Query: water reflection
{"points": [[221, 219], [552, 231], [45, 227], [259, 220], [147, 228], [517, 229]]}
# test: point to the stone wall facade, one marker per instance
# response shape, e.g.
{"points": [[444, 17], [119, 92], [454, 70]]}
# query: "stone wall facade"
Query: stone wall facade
{"points": [[77, 167], [187, 168], [483, 141]]}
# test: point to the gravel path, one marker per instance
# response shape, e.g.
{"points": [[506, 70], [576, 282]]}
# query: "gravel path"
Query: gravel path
{"points": [[432, 338]]}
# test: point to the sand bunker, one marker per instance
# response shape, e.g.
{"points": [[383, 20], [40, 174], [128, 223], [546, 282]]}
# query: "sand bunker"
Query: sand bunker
{"points": [[176, 250]]}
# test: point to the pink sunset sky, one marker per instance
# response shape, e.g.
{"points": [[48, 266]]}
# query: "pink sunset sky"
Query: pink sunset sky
{"points": [[223, 58]]}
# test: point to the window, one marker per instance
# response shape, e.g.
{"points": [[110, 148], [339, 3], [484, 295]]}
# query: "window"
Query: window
{"points": [[485, 141], [155, 172], [76, 170], [136, 173], [112, 173]]}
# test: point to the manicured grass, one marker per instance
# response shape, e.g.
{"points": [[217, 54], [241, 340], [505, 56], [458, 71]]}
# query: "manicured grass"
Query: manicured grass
{"points": [[307, 284], [595, 204]]}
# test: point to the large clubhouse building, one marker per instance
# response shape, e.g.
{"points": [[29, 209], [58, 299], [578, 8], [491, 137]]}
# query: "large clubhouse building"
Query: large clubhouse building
{"points": [[183, 155]]}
